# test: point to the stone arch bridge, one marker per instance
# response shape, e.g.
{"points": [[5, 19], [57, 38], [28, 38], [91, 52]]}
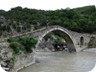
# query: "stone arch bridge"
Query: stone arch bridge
{"points": [[77, 41]]}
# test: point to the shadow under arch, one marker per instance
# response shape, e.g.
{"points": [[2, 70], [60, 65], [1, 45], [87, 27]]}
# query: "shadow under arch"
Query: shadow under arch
{"points": [[64, 34], [81, 40]]}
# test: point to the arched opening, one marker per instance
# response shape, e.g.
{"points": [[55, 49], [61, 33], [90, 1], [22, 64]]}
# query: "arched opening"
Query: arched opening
{"points": [[67, 40], [81, 41]]}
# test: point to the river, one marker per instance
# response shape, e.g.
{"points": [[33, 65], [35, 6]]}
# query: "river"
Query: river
{"points": [[63, 62]]}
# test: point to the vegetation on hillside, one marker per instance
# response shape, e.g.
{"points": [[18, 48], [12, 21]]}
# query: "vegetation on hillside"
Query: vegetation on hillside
{"points": [[25, 43], [79, 19]]}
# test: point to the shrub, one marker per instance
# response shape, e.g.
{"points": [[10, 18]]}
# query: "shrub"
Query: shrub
{"points": [[10, 39], [16, 47], [58, 40], [28, 42]]}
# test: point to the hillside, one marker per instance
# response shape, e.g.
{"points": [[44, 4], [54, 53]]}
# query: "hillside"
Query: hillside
{"points": [[81, 19]]}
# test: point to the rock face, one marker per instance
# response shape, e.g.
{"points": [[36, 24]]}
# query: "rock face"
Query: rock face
{"points": [[11, 62], [6, 56], [92, 42], [9, 27]]}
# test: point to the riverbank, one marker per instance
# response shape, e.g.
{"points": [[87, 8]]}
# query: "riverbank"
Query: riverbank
{"points": [[90, 50]]}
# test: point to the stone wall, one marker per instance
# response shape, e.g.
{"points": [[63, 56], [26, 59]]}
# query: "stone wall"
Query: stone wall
{"points": [[22, 61]]}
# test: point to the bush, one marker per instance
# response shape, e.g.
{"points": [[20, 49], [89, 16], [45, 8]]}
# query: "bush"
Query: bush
{"points": [[24, 43], [10, 39], [58, 40], [28, 42], [16, 47]]}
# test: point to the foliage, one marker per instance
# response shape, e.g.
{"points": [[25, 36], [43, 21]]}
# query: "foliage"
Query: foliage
{"points": [[81, 19], [48, 36], [28, 42], [24, 43], [16, 47], [58, 40], [10, 39]]}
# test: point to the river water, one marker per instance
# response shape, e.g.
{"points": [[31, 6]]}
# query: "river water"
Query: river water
{"points": [[63, 62]]}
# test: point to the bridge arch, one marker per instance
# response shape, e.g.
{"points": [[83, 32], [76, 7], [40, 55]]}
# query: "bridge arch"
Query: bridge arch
{"points": [[63, 32]]}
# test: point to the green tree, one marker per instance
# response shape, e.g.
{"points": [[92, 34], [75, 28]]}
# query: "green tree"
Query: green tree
{"points": [[28, 42], [58, 40], [11, 39], [16, 46]]}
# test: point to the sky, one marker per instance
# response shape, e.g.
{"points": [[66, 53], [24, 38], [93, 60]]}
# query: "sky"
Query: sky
{"points": [[45, 4]]}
